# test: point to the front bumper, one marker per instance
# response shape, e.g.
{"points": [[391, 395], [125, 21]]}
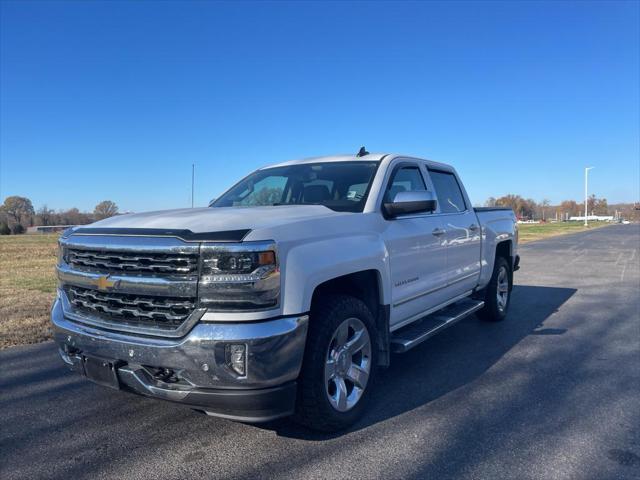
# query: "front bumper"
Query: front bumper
{"points": [[201, 377]]}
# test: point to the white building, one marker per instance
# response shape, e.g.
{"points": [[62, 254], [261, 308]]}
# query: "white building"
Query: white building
{"points": [[594, 218]]}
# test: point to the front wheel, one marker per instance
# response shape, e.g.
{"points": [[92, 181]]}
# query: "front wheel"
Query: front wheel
{"points": [[497, 292], [339, 364]]}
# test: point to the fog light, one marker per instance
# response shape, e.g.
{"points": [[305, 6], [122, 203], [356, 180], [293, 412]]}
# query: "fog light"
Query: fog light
{"points": [[237, 358]]}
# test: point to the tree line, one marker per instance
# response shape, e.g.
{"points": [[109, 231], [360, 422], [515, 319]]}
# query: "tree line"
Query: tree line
{"points": [[17, 214], [529, 209]]}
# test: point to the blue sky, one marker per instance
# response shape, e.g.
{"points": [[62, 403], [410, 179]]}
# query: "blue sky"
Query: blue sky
{"points": [[116, 100]]}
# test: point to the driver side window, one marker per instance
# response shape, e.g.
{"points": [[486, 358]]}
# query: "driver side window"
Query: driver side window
{"points": [[405, 179]]}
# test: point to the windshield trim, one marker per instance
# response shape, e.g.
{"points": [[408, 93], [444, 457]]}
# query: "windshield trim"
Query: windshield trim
{"points": [[362, 202]]}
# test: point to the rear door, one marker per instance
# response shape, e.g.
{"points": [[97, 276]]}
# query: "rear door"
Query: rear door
{"points": [[463, 234], [417, 249]]}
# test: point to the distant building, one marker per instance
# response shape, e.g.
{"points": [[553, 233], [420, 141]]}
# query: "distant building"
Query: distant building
{"points": [[47, 229], [594, 218]]}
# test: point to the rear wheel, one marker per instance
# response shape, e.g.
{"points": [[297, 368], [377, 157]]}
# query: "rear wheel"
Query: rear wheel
{"points": [[339, 364], [498, 292]]}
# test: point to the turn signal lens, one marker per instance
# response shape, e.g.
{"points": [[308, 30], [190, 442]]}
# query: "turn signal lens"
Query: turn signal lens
{"points": [[266, 258]]}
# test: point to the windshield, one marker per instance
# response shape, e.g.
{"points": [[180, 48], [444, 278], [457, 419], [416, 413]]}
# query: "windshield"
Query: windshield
{"points": [[340, 186]]}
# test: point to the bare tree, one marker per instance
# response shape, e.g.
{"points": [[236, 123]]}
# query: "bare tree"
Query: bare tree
{"points": [[73, 216], [105, 209], [570, 208], [591, 203], [523, 208], [18, 210], [45, 216], [544, 204], [601, 207]]}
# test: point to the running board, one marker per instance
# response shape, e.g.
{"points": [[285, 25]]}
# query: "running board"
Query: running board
{"points": [[417, 332]]}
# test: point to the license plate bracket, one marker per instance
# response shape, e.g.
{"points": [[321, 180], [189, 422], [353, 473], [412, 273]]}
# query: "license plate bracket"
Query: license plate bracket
{"points": [[101, 371]]}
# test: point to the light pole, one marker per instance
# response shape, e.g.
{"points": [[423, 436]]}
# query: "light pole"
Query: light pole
{"points": [[586, 179]]}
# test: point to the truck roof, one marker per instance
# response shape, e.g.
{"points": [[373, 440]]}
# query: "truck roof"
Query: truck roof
{"points": [[372, 157]]}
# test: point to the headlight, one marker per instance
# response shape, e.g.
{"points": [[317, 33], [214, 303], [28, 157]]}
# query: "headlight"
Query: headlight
{"points": [[239, 277], [68, 231], [61, 248], [62, 252]]}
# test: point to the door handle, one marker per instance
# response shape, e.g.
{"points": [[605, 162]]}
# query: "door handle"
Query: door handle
{"points": [[438, 231], [473, 227]]}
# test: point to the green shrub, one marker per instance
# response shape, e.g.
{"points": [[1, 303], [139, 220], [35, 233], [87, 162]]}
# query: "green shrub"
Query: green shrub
{"points": [[17, 229]]}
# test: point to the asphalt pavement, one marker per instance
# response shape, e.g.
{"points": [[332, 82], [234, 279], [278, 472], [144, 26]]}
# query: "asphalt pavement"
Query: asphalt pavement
{"points": [[552, 392]]}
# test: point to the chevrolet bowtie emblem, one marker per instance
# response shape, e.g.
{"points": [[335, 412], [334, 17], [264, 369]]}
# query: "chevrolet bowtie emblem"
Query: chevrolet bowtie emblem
{"points": [[104, 282]]}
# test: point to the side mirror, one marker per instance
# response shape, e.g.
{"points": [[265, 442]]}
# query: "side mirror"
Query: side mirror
{"points": [[411, 202]]}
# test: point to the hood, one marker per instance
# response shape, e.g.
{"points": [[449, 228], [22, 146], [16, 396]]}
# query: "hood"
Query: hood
{"points": [[218, 219]]}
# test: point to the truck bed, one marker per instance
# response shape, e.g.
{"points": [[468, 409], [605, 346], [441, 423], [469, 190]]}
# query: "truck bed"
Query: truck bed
{"points": [[490, 209], [498, 224]]}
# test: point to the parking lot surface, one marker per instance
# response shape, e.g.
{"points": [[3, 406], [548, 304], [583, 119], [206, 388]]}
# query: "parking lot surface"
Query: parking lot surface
{"points": [[552, 392]]}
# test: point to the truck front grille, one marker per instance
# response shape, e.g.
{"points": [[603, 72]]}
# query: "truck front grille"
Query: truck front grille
{"points": [[129, 309], [131, 263]]}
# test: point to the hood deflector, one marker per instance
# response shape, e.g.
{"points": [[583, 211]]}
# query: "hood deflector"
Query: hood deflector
{"points": [[183, 234]]}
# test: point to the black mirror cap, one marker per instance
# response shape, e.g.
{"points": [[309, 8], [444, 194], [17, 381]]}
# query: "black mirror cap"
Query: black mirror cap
{"points": [[395, 209]]}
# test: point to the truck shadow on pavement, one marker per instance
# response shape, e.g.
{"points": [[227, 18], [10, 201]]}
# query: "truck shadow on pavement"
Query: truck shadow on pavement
{"points": [[450, 360], [57, 425]]}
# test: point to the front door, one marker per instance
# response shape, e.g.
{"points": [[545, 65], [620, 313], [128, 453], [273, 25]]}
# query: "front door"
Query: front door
{"points": [[417, 250]]}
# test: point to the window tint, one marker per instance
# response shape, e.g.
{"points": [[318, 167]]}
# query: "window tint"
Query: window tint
{"points": [[340, 186], [317, 190], [405, 179], [356, 191], [450, 199], [265, 191]]}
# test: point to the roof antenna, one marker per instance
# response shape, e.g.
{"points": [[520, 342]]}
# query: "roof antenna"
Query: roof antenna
{"points": [[362, 152]]}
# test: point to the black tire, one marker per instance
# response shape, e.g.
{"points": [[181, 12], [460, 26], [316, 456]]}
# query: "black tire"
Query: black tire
{"points": [[313, 408], [493, 311]]}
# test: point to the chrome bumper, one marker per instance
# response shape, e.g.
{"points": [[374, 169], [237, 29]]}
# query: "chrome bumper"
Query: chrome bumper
{"points": [[274, 356]]}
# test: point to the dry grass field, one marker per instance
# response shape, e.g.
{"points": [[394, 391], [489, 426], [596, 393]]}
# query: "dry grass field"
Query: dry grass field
{"points": [[537, 231], [27, 288], [27, 280]]}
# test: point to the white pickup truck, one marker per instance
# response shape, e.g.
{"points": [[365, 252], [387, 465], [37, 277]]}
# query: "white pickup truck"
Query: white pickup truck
{"points": [[288, 292]]}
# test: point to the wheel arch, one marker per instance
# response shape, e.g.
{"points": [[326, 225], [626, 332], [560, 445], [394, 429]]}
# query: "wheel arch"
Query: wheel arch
{"points": [[367, 286], [505, 249]]}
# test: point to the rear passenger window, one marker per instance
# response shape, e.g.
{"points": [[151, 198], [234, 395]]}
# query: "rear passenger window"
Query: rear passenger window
{"points": [[405, 179], [450, 198]]}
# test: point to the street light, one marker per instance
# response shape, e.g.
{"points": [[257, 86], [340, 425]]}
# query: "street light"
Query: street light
{"points": [[586, 177]]}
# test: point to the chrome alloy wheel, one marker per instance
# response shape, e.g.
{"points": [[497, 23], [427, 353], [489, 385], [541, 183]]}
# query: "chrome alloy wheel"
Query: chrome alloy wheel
{"points": [[502, 292], [348, 364]]}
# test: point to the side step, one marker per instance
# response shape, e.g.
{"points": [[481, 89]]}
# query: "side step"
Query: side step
{"points": [[417, 332]]}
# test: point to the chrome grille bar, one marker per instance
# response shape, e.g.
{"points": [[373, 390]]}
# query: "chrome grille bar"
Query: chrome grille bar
{"points": [[133, 263], [164, 311]]}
